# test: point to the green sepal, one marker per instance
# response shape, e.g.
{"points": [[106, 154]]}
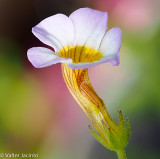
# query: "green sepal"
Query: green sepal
{"points": [[97, 137], [115, 141], [124, 130], [128, 130]]}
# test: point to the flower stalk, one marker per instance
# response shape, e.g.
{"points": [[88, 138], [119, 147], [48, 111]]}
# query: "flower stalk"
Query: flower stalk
{"points": [[121, 154], [109, 134]]}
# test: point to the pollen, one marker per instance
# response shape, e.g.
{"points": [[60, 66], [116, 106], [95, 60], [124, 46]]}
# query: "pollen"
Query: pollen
{"points": [[80, 54]]}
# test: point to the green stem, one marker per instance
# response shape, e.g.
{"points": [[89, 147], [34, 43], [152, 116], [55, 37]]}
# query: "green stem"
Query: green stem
{"points": [[121, 154]]}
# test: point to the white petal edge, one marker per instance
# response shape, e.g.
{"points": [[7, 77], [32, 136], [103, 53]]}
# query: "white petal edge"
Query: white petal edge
{"points": [[111, 44], [90, 26], [111, 60], [42, 57], [56, 31]]}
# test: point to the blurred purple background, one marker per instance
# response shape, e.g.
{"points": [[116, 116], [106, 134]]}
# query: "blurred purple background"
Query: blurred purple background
{"points": [[37, 112]]}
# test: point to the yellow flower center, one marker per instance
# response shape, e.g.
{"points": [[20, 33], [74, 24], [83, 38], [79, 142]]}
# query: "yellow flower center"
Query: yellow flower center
{"points": [[80, 54]]}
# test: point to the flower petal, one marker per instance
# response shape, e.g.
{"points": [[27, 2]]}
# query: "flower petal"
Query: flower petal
{"points": [[90, 26], [43, 57], [110, 46], [83, 65], [57, 31]]}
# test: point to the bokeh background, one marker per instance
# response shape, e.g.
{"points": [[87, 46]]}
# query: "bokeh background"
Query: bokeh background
{"points": [[37, 112]]}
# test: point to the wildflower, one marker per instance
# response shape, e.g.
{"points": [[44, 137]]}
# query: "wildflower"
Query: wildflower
{"points": [[80, 41]]}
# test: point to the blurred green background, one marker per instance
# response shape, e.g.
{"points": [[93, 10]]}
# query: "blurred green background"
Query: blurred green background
{"points": [[37, 113]]}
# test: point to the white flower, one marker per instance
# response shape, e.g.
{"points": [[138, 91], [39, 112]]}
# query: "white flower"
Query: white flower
{"points": [[80, 40]]}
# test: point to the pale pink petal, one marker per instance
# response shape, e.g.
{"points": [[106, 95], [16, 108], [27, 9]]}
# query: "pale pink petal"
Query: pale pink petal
{"points": [[110, 46], [109, 60], [55, 31], [84, 64], [43, 57], [90, 26]]}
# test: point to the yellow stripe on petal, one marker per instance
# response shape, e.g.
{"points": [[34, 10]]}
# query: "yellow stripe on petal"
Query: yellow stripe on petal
{"points": [[80, 54]]}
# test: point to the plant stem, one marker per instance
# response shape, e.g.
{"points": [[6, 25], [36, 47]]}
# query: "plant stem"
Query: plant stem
{"points": [[121, 154]]}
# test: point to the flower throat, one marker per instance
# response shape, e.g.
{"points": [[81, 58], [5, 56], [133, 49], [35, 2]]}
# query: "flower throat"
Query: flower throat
{"points": [[80, 54]]}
